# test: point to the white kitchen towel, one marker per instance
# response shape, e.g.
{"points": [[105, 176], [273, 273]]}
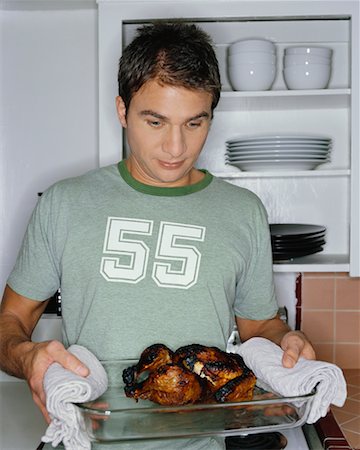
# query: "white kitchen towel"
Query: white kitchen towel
{"points": [[64, 388], [264, 357]]}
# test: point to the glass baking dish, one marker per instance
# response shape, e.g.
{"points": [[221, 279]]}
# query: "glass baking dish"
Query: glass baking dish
{"points": [[113, 417]]}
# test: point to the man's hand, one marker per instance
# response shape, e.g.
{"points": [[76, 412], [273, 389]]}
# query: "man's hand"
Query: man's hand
{"points": [[37, 359], [21, 357], [295, 344]]}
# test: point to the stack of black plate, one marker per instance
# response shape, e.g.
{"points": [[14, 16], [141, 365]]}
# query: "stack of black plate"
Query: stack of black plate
{"points": [[292, 240]]}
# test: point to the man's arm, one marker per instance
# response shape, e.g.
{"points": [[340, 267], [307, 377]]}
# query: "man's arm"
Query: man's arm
{"points": [[21, 357], [294, 343]]}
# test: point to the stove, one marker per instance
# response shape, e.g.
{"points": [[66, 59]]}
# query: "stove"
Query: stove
{"points": [[291, 439]]}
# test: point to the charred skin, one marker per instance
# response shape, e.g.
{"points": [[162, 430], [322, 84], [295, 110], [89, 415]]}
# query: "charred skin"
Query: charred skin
{"points": [[168, 385], [237, 389], [150, 359], [153, 357], [210, 363], [128, 375], [194, 373]]}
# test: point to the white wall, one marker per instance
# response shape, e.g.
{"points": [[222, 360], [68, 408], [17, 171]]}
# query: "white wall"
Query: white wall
{"points": [[48, 110]]}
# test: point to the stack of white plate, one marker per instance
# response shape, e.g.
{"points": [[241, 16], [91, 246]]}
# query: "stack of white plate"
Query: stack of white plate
{"points": [[284, 152]]}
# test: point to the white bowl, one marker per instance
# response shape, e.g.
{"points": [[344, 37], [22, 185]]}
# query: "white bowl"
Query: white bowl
{"points": [[259, 57], [320, 51], [305, 59], [313, 76], [252, 76], [253, 45]]}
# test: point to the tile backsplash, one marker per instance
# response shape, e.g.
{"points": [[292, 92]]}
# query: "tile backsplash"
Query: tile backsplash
{"points": [[330, 316]]}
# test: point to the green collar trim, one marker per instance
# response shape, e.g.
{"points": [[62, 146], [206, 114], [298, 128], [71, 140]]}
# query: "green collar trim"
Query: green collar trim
{"points": [[163, 191]]}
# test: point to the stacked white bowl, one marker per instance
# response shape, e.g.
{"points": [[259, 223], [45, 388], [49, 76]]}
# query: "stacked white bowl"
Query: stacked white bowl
{"points": [[252, 65], [307, 67]]}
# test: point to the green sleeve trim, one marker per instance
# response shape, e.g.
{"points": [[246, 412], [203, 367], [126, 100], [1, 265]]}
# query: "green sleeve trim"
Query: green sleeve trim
{"points": [[163, 191]]}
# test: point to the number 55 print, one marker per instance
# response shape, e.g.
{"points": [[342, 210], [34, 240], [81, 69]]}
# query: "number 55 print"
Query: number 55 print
{"points": [[176, 263]]}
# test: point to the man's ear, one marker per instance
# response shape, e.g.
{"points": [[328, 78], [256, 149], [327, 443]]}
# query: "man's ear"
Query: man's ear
{"points": [[121, 111]]}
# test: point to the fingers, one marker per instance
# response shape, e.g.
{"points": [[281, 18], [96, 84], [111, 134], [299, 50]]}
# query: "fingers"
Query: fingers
{"points": [[295, 345], [38, 360], [290, 358], [67, 359], [41, 405]]}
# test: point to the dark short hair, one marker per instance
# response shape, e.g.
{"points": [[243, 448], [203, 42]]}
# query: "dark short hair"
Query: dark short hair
{"points": [[176, 54]]}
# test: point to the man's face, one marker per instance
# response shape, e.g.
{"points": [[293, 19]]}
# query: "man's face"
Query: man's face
{"points": [[166, 129]]}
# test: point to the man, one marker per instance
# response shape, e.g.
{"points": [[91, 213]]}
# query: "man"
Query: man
{"points": [[153, 249]]}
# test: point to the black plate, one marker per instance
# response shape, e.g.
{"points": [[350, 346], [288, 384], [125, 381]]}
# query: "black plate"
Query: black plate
{"points": [[297, 240], [279, 256], [297, 245], [295, 230]]}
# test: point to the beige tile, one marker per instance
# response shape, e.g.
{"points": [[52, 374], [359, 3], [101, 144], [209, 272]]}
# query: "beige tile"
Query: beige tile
{"points": [[347, 293], [324, 352], [347, 356], [353, 392], [319, 274], [352, 438], [342, 416], [349, 416], [352, 374], [353, 424], [318, 293], [318, 325], [351, 407], [341, 275], [347, 328]]}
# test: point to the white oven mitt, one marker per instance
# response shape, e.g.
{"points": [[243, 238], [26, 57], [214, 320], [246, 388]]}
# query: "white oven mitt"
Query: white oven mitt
{"points": [[64, 388], [264, 357]]}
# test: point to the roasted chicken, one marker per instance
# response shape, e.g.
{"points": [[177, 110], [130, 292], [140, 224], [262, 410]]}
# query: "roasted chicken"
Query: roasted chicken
{"points": [[226, 374], [169, 384], [151, 359], [193, 373]]}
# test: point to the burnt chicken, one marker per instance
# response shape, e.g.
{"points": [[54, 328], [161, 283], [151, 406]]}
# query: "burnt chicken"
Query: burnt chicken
{"points": [[194, 373], [226, 374], [151, 358], [169, 385]]}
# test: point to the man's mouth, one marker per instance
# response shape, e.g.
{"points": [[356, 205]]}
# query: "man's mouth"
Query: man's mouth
{"points": [[171, 165]]}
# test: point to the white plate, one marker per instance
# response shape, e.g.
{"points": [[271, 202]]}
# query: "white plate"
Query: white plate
{"points": [[278, 158], [278, 137], [278, 144], [278, 152], [263, 166]]}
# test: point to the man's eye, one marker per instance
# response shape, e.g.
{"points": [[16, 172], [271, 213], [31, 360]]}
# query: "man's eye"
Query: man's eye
{"points": [[154, 123], [194, 124]]}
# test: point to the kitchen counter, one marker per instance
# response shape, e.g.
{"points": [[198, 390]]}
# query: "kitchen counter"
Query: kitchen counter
{"points": [[21, 423]]}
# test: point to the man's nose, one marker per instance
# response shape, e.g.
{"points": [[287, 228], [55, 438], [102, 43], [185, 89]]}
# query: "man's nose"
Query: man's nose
{"points": [[174, 143]]}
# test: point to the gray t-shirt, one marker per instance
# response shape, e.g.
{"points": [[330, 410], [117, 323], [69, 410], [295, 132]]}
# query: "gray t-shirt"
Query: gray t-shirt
{"points": [[139, 264]]}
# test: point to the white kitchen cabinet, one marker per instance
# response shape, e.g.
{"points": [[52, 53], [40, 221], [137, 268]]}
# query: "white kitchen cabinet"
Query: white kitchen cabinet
{"points": [[328, 195]]}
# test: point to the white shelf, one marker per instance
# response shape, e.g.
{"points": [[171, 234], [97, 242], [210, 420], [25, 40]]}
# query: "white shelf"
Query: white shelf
{"points": [[313, 99], [285, 174], [315, 263]]}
